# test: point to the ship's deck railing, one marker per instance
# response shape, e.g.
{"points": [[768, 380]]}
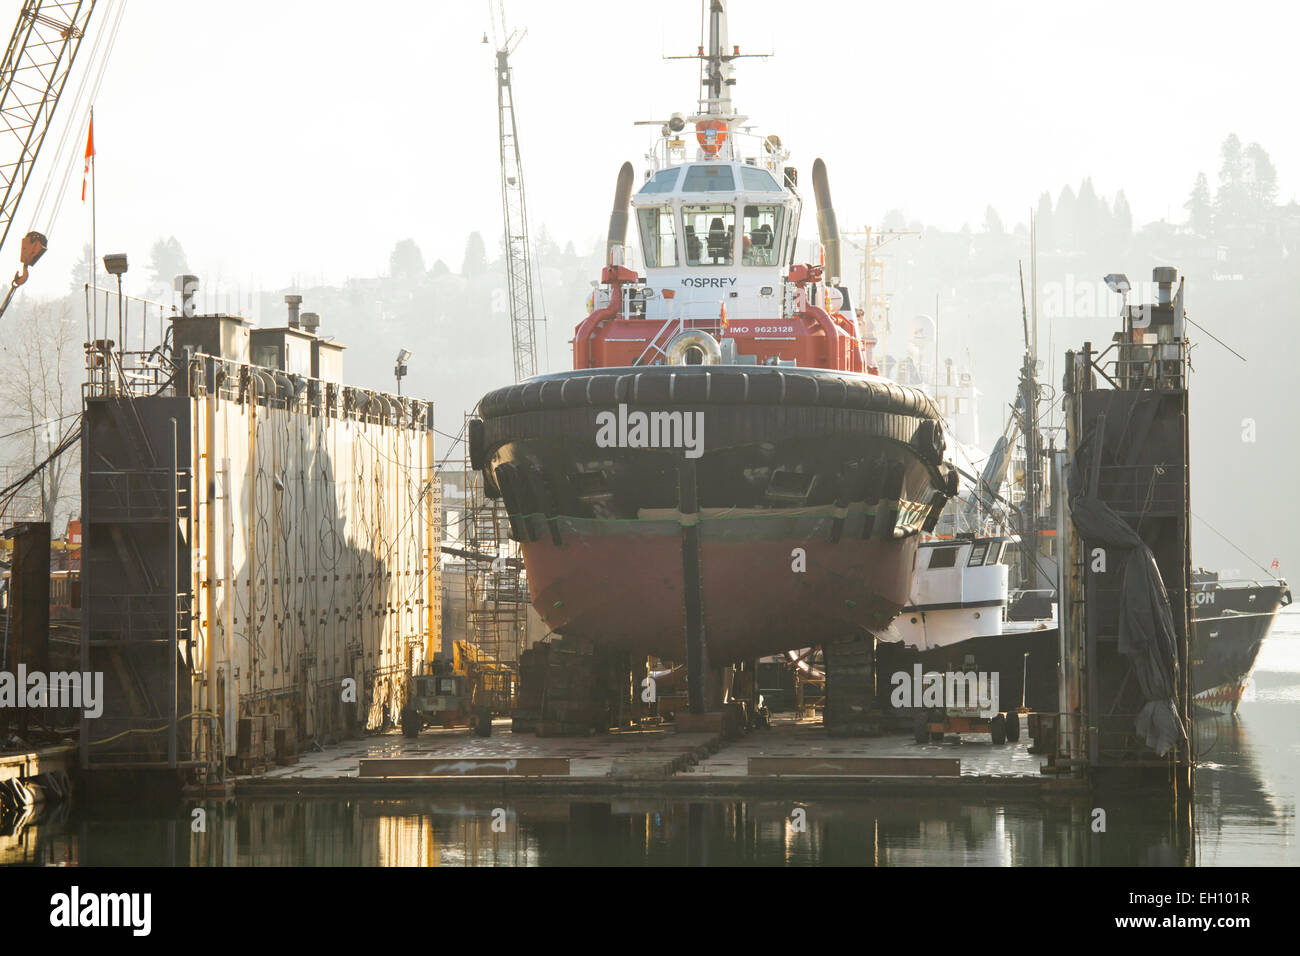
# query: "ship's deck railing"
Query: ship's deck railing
{"points": [[123, 358], [241, 382], [739, 147], [1139, 365], [111, 373], [1015, 593], [656, 345]]}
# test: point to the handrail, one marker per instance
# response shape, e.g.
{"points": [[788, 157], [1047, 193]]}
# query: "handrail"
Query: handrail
{"points": [[679, 322]]}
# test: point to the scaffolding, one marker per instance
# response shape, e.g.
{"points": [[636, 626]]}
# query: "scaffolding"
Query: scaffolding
{"points": [[495, 587]]}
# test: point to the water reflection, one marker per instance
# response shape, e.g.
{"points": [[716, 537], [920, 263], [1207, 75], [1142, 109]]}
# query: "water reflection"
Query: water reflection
{"points": [[550, 832], [1247, 787]]}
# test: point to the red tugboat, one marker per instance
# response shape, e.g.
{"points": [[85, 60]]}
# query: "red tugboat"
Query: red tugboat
{"points": [[723, 475]]}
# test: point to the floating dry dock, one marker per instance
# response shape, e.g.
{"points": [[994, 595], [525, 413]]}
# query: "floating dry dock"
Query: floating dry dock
{"points": [[792, 756], [260, 559], [261, 581]]}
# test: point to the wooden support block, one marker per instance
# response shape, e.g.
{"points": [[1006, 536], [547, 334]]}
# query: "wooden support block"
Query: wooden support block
{"points": [[463, 766], [835, 766]]}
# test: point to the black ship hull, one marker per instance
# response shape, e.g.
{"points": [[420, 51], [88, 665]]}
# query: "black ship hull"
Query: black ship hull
{"points": [[1230, 624], [1231, 621]]}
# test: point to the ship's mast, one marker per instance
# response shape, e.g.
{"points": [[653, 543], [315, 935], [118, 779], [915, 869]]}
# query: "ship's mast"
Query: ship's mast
{"points": [[716, 68], [1029, 404], [716, 80]]}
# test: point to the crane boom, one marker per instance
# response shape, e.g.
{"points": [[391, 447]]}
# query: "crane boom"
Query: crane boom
{"points": [[519, 268], [35, 68]]}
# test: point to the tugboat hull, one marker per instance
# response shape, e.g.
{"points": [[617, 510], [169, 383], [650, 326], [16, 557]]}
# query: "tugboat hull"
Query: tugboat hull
{"points": [[628, 589], [789, 517]]}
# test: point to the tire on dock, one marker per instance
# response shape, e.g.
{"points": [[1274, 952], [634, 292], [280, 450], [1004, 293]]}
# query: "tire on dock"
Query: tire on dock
{"points": [[411, 721], [998, 729], [1013, 726]]}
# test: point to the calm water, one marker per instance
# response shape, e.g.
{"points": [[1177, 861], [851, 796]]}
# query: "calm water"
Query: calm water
{"points": [[1248, 786]]}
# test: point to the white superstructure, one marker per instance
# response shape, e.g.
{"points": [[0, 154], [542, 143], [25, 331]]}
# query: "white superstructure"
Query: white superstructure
{"points": [[959, 591]]}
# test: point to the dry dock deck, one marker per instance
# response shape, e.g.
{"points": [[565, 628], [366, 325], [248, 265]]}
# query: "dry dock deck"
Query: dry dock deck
{"points": [[27, 763], [790, 757]]}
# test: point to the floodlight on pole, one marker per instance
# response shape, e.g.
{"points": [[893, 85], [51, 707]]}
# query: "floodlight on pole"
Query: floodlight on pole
{"points": [[1118, 282], [399, 371], [115, 265]]}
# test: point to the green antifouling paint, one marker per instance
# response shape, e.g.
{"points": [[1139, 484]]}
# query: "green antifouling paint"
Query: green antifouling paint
{"points": [[850, 603], [558, 604], [702, 518]]}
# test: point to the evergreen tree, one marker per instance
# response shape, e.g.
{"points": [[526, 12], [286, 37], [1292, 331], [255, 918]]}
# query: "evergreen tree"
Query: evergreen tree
{"points": [[1121, 216], [1043, 222], [1200, 210], [475, 263], [1064, 224], [1231, 203], [166, 262], [1260, 178], [993, 222], [894, 219], [81, 274], [1231, 161], [544, 247], [1090, 216], [406, 262]]}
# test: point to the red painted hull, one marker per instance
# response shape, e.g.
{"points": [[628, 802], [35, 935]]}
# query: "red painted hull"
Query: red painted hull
{"points": [[626, 589], [792, 521]]}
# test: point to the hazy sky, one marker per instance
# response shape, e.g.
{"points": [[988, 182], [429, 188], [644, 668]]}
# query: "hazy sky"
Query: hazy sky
{"points": [[290, 141]]}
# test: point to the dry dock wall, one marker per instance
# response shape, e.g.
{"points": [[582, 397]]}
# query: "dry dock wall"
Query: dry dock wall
{"points": [[306, 518]]}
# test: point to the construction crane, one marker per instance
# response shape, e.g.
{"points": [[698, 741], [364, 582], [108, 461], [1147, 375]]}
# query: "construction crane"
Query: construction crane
{"points": [[496, 602], [519, 269], [36, 67]]}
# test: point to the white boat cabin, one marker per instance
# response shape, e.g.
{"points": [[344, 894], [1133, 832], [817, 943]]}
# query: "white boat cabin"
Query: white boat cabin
{"points": [[716, 233]]}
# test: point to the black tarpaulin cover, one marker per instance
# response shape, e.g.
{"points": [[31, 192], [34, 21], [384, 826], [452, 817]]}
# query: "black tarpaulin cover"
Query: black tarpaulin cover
{"points": [[1146, 624]]}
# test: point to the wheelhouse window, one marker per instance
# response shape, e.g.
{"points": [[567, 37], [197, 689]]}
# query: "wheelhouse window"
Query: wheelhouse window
{"points": [[758, 179], [943, 558], [662, 182], [710, 233], [709, 178], [792, 238], [762, 234], [658, 237]]}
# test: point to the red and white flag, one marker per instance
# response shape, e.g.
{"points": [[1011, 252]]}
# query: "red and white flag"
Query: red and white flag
{"points": [[90, 154]]}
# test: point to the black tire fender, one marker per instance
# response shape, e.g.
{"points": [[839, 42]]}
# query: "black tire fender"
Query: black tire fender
{"points": [[477, 445]]}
